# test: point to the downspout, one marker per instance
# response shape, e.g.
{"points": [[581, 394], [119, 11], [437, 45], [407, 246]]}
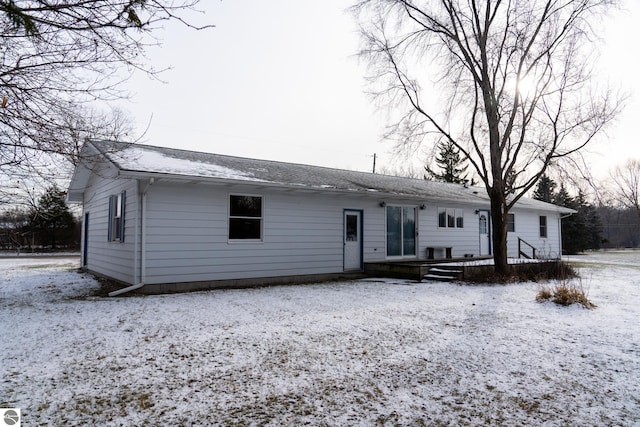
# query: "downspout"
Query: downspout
{"points": [[143, 245]]}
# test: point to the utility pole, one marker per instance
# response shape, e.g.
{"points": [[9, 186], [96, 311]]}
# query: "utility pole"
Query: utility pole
{"points": [[374, 162]]}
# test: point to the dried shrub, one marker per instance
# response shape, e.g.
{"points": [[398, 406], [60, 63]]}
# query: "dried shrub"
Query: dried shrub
{"points": [[566, 293]]}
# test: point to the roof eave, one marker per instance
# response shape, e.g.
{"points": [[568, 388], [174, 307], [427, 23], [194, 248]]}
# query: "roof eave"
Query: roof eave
{"points": [[302, 188]]}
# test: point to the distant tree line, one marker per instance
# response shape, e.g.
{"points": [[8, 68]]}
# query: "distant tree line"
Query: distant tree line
{"points": [[46, 225], [593, 226]]}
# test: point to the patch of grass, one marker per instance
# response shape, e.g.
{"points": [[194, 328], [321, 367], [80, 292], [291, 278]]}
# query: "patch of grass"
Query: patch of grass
{"points": [[566, 293]]}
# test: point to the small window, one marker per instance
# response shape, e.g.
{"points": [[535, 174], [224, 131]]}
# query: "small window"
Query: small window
{"points": [[115, 231], [511, 223], [484, 229], [543, 226], [450, 218], [245, 217]]}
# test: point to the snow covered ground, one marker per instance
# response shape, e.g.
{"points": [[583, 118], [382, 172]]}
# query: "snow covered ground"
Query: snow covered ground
{"points": [[372, 352]]}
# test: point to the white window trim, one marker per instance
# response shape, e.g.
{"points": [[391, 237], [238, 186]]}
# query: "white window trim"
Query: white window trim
{"points": [[546, 227], [113, 213], [417, 232], [261, 218], [458, 213]]}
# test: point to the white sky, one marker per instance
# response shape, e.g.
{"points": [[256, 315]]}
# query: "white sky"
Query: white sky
{"points": [[279, 80]]}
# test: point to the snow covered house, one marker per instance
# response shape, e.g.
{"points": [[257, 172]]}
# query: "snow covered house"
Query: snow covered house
{"points": [[171, 220]]}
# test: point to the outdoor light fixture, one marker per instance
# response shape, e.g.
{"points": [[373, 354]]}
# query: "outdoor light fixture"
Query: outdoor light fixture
{"points": [[422, 207], [383, 204]]}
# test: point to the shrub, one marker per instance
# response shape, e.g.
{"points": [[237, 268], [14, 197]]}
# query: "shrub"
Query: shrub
{"points": [[566, 293], [522, 272]]}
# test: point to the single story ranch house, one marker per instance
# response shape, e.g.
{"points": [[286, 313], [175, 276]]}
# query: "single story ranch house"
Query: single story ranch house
{"points": [[160, 219]]}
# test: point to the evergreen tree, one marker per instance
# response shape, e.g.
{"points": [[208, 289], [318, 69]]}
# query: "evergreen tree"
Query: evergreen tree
{"points": [[451, 164], [51, 219], [546, 189], [582, 230]]}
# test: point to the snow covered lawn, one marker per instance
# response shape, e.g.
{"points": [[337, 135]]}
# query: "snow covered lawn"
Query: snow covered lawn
{"points": [[353, 353]]}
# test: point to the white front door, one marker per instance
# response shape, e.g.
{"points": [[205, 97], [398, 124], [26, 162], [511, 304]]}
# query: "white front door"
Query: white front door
{"points": [[352, 240], [485, 235]]}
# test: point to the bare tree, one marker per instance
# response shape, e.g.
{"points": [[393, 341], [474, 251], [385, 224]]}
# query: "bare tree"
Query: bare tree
{"points": [[58, 59], [626, 185], [514, 75]]}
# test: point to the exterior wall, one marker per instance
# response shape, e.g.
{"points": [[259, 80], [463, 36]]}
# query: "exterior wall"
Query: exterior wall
{"points": [[187, 233], [112, 259], [527, 227], [462, 241]]}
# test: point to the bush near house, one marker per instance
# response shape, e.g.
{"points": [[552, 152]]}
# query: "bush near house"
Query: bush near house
{"points": [[544, 270]]}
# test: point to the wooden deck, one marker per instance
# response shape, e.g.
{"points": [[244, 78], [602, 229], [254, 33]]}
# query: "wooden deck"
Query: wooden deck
{"points": [[447, 269], [411, 269]]}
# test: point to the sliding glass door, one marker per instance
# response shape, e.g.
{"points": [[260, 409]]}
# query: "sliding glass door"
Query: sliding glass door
{"points": [[401, 231]]}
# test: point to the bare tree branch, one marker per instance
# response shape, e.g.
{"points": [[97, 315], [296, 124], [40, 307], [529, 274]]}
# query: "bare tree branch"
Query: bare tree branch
{"points": [[60, 60], [517, 79]]}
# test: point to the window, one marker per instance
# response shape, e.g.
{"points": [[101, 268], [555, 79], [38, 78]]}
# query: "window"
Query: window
{"points": [[245, 217], [511, 223], [543, 226], [484, 229], [450, 218], [115, 231]]}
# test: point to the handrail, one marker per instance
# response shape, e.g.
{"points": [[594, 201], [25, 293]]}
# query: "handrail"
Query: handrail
{"points": [[522, 254]]}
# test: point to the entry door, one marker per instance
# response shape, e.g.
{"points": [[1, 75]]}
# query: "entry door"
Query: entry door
{"points": [[485, 234], [352, 240]]}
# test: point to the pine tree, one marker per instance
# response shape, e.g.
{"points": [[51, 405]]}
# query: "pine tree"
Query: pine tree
{"points": [[451, 164], [582, 230], [546, 189], [51, 219]]}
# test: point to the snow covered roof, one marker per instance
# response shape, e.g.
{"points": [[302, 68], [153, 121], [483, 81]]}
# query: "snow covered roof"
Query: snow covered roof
{"points": [[145, 160]]}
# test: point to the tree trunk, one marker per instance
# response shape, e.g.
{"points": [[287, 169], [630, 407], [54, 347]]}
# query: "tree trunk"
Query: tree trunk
{"points": [[499, 220]]}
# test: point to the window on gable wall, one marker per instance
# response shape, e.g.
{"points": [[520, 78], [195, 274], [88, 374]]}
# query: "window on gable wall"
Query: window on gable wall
{"points": [[450, 218], [115, 232]]}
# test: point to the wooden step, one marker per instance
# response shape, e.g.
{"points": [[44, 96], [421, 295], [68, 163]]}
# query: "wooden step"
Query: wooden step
{"points": [[443, 274]]}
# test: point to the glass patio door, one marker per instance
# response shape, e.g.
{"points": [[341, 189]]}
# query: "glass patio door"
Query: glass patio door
{"points": [[401, 231]]}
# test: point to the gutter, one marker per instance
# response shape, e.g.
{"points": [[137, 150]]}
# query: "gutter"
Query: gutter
{"points": [[143, 245]]}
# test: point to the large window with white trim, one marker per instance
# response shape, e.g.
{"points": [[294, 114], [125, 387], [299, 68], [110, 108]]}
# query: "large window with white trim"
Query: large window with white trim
{"points": [[245, 217]]}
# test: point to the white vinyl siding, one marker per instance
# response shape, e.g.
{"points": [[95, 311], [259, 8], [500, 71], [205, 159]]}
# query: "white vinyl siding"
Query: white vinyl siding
{"points": [[302, 234], [528, 229], [104, 257], [187, 231], [462, 240]]}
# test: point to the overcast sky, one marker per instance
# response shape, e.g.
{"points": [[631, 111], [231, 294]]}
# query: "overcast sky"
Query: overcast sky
{"points": [[279, 80]]}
